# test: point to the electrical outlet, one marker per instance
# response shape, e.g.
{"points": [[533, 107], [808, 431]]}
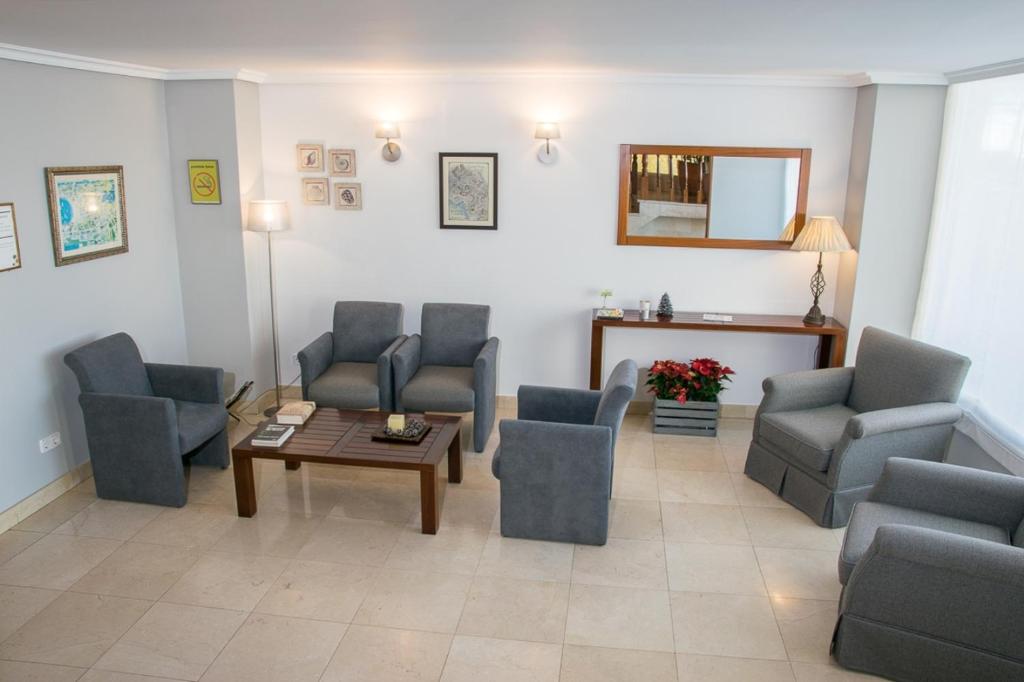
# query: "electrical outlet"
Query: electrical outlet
{"points": [[50, 442]]}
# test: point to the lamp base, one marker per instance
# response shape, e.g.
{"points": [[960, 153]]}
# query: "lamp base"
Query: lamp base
{"points": [[547, 155], [814, 317], [391, 152], [271, 411]]}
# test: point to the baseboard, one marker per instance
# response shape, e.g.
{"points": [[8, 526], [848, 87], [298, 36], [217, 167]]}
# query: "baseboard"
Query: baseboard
{"points": [[44, 496]]}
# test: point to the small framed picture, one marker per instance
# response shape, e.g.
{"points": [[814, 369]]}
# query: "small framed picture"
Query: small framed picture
{"points": [[316, 192], [348, 196], [469, 191], [10, 255], [310, 157], [87, 217], [342, 162]]}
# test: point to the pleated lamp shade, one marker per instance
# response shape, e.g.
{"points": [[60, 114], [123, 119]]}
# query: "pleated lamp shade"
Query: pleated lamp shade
{"points": [[822, 234], [788, 231]]}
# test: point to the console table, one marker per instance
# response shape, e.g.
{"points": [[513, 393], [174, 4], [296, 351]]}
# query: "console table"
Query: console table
{"points": [[831, 347]]}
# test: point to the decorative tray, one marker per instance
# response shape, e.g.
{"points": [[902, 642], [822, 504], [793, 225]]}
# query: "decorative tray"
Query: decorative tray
{"points": [[413, 433]]}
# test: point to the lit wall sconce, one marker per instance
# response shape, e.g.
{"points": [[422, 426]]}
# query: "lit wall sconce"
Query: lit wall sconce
{"points": [[547, 132], [389, 131]]}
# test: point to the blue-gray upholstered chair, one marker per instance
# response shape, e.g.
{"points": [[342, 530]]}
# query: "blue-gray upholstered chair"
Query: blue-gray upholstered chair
{"points": [[142, 419], [350, 368], [555, 461], [821, 437], [450, 366], [933, 568]]}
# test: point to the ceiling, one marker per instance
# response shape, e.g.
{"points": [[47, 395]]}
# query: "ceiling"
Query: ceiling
{"points": [[750, 37]]}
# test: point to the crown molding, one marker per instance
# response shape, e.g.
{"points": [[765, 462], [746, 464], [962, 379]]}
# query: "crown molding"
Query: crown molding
{"points": [[896, 78], [215, 74], [1008, 68]]}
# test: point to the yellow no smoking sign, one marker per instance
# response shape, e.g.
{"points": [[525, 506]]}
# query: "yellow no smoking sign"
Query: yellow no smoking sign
{"points": [[204, 181]]}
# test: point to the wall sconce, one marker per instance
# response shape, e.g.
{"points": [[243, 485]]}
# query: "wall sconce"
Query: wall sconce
{"points": [[547, 132], [389, 131]]}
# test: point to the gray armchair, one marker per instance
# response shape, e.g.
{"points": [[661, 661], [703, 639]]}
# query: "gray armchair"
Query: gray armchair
{"points": [[350, 368], [933, 568], [451, 366], [555, 461], [822, 437], [142, 419]]}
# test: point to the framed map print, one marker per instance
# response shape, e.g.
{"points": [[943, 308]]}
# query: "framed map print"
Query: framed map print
{"points": [[469, 191], [87, 217]]}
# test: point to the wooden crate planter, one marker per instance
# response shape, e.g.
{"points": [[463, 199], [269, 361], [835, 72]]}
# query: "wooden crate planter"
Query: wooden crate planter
{"points": [[695, 418]]}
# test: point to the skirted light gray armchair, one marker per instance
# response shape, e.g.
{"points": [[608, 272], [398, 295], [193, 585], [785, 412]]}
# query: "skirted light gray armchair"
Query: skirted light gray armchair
{"points": [[142, 419], [555, 461], [933, 568], [822, 437], [451, 366], [350, 368]]}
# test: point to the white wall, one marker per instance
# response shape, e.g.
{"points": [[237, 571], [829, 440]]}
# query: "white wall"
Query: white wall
{"points": [[555, 246], [62, 117]]}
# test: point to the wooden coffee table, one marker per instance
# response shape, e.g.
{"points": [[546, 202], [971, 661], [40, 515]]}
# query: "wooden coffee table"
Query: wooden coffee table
{"points": [[333, 436]]}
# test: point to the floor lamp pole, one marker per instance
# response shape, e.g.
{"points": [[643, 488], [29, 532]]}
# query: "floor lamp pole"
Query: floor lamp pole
{"points": [[273, 325]]}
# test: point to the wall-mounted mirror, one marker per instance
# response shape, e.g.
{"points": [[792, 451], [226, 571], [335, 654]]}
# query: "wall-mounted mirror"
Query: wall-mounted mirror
{"points": [[717, 197]]}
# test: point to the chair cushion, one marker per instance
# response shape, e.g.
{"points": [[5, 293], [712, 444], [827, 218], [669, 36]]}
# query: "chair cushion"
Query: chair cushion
{"points": [[347, 385], [868, 516], [496, 463], [364, 329], [440, 389], [808, 436], [198, 423]]}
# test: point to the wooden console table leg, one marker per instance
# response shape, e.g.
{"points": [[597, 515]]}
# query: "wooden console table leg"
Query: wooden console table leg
{"points": [[825, 342], [838, 358], [245, 485], [430, 503], [596, 355], [292, 465], [455, 459]]}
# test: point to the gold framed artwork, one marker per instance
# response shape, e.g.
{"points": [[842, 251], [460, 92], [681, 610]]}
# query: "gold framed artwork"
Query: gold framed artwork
{"points": [[342, 162], [10, 250], [348, 196], [87, 214], [310, 158], [316, 192], [204, 181]]}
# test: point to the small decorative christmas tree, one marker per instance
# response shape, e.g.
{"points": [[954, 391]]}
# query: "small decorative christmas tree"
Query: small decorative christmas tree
{"points": [[665, 307]]}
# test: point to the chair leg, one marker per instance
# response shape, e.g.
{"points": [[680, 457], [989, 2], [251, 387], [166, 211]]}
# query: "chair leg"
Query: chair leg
{"points": [[214, 452]]}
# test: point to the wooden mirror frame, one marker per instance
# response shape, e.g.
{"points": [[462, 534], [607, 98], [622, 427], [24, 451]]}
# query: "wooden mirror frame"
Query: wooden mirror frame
{"points": [[626, 152]]}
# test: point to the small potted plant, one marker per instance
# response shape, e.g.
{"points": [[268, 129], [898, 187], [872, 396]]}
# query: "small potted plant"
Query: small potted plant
{"points": [[686, 395]]}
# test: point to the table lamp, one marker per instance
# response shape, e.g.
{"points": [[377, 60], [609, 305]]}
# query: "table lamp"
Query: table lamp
{"points": [[268, 215], [821, 234]]}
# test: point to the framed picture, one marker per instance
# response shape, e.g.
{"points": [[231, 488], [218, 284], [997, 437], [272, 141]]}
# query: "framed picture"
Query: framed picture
{"points": [[342, 162], [348, 196], [310, 157], [469, 191], [316, 192], [10, 251], [87, 216], [204, 181]]}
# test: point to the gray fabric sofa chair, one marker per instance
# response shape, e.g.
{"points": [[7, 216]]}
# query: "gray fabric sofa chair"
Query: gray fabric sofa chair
{"points": [[142, 419], [555, 462], [350, 367], [933, 568], [450, 366], [821, 437]]}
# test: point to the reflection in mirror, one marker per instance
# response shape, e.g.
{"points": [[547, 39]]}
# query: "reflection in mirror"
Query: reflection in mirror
{"points": [[712, 196]]}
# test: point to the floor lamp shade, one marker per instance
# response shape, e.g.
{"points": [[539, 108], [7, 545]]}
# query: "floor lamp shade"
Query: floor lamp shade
{"points": [[268, 215]]}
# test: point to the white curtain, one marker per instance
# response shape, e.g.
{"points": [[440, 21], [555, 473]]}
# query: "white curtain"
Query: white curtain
{"points": [[972, 293]]}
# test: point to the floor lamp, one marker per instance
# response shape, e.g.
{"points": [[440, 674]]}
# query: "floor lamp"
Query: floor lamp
{"points": [[270, 216]]}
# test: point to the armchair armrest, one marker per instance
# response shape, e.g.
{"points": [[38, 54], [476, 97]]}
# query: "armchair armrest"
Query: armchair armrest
{"points": [[565, 405], [146, 424], [405, 361], [314, 360], [187, 382], [868, 424], [950, 490], [385, 383], [485, 392], [806, 390], [941, 585]]}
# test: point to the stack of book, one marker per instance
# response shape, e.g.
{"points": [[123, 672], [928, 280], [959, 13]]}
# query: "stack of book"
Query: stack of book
{"points": [[296, 412], [272, 435]]}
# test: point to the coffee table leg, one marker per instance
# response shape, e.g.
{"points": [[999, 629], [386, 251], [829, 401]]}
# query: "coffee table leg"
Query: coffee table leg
{"points": [[291, 465], [245, 485], [455, 459], [430, 501]]}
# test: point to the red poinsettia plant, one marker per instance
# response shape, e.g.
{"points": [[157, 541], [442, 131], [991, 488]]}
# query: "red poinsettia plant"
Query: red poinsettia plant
{"points": [[701, 379]]}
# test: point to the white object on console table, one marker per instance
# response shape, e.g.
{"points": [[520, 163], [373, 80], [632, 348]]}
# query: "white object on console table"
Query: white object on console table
{"points": [[396, 422], [717, 317]]}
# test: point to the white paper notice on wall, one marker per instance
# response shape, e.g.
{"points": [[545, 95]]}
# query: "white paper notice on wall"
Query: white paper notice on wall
{"points": [[9, 256], [717, 317]]}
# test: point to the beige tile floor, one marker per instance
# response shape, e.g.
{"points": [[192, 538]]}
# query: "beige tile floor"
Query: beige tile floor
{"points": [[706, 576]]}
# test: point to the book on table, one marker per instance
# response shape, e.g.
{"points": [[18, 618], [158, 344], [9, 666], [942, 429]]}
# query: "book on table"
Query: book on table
{"points": [[296, 412], [272, 435]]}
